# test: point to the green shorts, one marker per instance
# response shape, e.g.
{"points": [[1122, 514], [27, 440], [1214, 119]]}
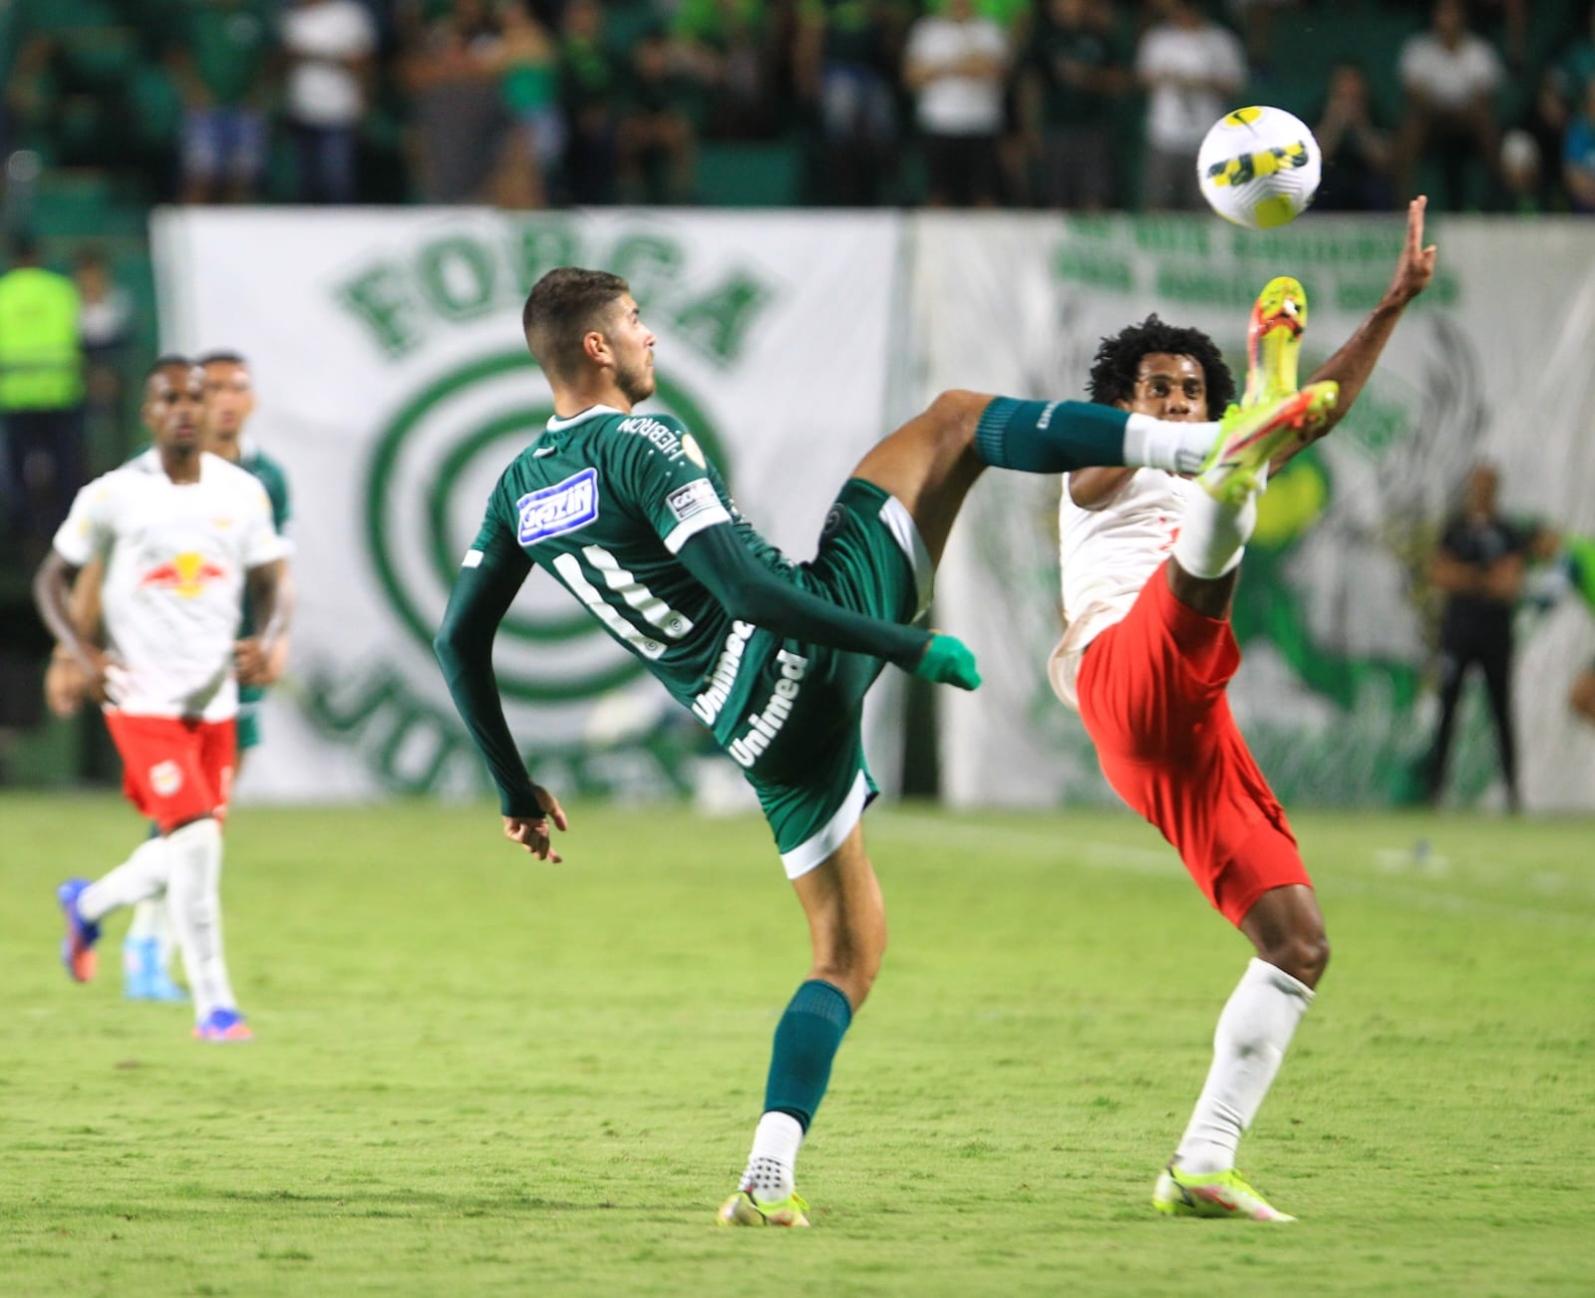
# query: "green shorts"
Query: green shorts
{"points": [[249, 701], [812, 780]]}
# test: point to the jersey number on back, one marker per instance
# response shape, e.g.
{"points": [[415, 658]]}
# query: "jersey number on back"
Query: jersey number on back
{"points": [[648, 606]]}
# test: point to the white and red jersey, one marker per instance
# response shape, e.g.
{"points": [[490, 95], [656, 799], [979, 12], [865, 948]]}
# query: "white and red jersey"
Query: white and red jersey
{"points": [[173, 592], [1106, 556]]}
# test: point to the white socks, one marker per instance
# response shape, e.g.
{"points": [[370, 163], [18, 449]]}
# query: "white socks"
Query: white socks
{"points": [[772, 1164], [1213, 535], [1253, 1032], [1167, 444], [137, 879], [149, 921], [193, 894]]}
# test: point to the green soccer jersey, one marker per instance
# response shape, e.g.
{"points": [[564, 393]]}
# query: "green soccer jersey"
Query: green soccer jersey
{"points": [[272, 478], [604, 501]]}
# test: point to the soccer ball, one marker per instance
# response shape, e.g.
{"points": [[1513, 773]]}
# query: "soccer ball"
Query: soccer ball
{"points": [[1259, 167]]}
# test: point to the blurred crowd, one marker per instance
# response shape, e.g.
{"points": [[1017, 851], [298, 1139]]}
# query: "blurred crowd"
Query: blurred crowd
{"points": [[1079, 104]]}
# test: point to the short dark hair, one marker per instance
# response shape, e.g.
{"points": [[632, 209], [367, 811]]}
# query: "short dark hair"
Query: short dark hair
{"points": [[559, 311], [164, 360], [222, 357], [1118, 360]]}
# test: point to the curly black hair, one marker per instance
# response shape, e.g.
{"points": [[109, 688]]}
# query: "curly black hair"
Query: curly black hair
{"points": [[1113, 370]]}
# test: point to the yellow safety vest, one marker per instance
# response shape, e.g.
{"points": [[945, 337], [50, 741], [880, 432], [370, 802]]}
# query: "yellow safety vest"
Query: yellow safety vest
{"points": [[41, 362]]}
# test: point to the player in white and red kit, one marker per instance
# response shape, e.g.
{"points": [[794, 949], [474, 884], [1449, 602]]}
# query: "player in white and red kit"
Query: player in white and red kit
{"points": [[186, 534], [1150, 562]]}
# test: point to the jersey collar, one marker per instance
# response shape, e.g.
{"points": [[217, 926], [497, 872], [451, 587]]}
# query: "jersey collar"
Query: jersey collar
{"points": [[558, 425]]}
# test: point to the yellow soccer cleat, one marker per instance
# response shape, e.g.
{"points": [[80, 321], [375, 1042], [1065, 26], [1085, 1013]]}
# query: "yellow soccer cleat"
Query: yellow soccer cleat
{"points": [[1273, 340], [1212, 1194], [1249, 437], [742, 1209]]}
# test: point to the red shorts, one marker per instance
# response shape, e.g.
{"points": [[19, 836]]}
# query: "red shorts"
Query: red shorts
{"points": [[1151, 691], [175, 771]]}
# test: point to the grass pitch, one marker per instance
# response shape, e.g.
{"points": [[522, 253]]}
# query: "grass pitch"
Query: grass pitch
{"points": [[475, 1074]]}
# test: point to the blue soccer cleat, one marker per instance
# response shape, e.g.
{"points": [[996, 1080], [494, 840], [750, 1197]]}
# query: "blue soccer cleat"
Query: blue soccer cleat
{"points": [[144, 976], [223, 1025], [77, 947]]}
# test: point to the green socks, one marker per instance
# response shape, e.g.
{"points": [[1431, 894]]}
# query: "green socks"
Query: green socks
{"points": [[1060, 436], [1049, 436], [806, 1040]]}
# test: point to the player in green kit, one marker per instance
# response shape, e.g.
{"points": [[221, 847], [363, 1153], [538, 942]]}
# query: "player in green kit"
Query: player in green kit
{"points": [[774, 657]]}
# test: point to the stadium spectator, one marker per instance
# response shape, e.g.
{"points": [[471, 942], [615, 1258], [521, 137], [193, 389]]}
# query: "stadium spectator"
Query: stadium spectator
{"points": [[1072, 77], [1578, 155], [105, 322], [954, 67], [658, 146], [529, 80], [329, 45], [41, 392], [458, 122], [1522, 169], [1192, 68], [1357, 153], [220, 58], [1545, 120], [845, 64], [1479, 569], [734, 48], [590, 80], [1450, 76], [1577, 67]]}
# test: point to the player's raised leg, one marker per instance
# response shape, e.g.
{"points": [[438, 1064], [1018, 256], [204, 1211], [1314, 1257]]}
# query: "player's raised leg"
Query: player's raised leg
{"points": [[930, 463], [847, 928]]}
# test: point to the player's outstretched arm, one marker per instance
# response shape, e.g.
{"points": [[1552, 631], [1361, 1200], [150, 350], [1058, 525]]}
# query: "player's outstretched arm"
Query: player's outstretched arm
{"points": [[1354, 362], [464, 646], [750, 592]]}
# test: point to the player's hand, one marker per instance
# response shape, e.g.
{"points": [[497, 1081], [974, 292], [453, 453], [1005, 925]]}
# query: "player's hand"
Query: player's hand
{"points": [[531, 832], [260, 663], [65, 685], [104, 677], [257, 662], [947, 660], [1415, 268]]}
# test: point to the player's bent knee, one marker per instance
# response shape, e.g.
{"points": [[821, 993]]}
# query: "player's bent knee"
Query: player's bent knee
{"points": [[1304, 956], [955, 414]]}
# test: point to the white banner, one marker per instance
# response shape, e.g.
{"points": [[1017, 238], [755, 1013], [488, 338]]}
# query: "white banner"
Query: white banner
{"points": [[1334, 615], [394, 386]]}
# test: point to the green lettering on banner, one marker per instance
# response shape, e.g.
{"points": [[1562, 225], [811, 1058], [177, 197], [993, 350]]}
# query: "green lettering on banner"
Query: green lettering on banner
{"points": [[536, 247], [456, 275], [1092, 267], [1172, 234], [1193, 284], [379, 298], [718, 323], [648, 263], [414, 746]]}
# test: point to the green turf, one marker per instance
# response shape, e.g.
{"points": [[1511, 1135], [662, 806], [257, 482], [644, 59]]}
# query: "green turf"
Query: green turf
{"points": [[480, 1075]]}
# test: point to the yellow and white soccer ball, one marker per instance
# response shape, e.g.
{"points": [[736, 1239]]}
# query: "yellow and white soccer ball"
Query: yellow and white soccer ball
{"points": [[1259, 167]]}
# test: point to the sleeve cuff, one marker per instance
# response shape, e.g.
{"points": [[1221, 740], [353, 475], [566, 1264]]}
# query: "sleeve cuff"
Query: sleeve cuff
{"points": [[684, 532]]}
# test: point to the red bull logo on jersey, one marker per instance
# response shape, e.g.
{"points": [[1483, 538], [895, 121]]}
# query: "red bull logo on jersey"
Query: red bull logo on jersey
{"points": [[187, 575], [553, 511]]}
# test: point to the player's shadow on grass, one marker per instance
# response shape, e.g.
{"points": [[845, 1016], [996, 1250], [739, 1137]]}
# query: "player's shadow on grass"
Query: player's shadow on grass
{"points": [[387, 1203]]}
